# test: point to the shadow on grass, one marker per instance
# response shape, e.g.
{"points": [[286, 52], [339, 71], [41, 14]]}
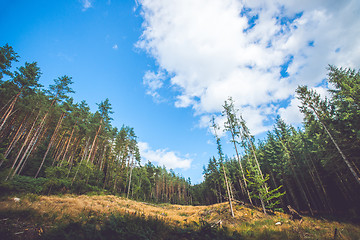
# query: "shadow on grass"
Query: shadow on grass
{"points": [[134, 226]]}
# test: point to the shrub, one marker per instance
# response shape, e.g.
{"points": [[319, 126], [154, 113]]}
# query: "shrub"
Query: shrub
{"points": [[56, 185], [23, 184]]}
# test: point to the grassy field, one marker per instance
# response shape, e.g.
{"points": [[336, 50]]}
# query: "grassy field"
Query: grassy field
{"points": [[111, 217]]}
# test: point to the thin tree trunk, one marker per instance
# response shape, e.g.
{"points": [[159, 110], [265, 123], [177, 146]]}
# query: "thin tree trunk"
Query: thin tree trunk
{"points": [[296, 177], [342, 187], [292, 194], [228, 191], [93, 144], [58, 147], [28, 149], [95, 151], [82, 158], [60, 152], [71, 159], [247, 136], [102, 159], [8, 103], [67, 146], [276, 186], [13, 141], [23, 146], [131, 168], [51, 142], [262, 203], [246, 190], [357, 178], [9, 110], [31, 146]]}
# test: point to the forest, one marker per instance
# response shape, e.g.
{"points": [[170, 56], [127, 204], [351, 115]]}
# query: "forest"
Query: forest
{"points": [[49, 144]]}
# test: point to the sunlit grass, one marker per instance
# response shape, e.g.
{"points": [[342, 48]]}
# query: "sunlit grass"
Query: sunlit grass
{"points": [[250, 223]]}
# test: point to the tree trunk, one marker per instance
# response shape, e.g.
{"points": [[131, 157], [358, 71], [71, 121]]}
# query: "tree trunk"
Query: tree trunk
{"points": [[30, 147], [131, 168], [262, 203], [16, 137], [292, 194], [23, 146], [13, 141], [60, 152], [67, 146], [9, 110], [296, 177], [58, 147], [93, 144], [246, 190], [228, 191], [51, 142], [357, 178]]}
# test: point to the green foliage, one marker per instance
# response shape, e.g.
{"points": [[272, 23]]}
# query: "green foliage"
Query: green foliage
{"points": [[77, 151], [57, 185], [7, 56], [23, 184], [259, 189], [55, 172], [32, 187], [81, 152]]}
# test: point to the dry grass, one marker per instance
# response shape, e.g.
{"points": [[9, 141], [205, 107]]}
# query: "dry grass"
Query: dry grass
{"points": [[75, 206], [247, 220]]}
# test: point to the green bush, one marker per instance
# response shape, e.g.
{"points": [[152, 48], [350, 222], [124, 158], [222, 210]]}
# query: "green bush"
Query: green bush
{"points": [[56, 185], [23, 184], [51, 185], [56, 172]]}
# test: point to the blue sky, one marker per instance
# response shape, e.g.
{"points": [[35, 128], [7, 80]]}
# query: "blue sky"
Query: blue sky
{"points": [[167, 66]]}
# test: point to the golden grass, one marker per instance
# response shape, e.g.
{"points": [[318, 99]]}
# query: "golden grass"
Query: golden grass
{"points": [[246, 219]]}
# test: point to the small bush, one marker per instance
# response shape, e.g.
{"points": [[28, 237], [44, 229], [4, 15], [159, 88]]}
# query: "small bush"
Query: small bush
{"points": [[56, 185], [23, 184]]}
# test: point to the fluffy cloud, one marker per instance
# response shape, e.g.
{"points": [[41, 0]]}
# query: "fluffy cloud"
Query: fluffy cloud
{"points": [[258, 52], [153, 82], [163, 157], [86, 4], [291, 113]]}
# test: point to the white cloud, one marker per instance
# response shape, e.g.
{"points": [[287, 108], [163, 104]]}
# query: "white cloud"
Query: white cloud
{"points": [[163, 157], [86, 4], [291, 113], [322, 91], [213, 49], [115, 47], [153, 82]]}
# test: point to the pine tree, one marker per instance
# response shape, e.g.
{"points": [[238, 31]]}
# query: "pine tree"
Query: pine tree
{"points": [[232, 125], [221, 158], [312, 104]]}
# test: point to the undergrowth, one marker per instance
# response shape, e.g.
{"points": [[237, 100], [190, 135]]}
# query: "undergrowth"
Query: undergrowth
{"points": [[47, 186], [135, 226]]}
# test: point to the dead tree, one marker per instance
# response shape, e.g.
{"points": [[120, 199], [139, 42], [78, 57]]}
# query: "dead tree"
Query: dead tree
{"points": [[294, 214]]}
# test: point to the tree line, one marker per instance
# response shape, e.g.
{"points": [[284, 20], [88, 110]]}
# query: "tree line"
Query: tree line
{"points": [[45, 134], [314, 169]]}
